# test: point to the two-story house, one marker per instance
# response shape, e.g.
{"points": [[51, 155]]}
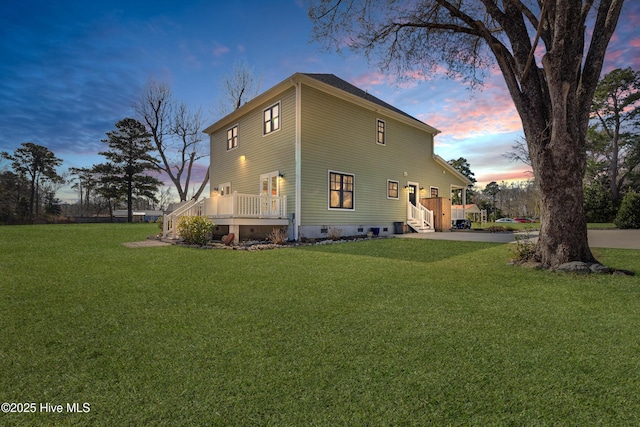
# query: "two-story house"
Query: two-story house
{"points": [[316, 154]]}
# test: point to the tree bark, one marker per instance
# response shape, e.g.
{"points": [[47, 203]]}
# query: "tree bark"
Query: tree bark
{"points": [[563, 229]]}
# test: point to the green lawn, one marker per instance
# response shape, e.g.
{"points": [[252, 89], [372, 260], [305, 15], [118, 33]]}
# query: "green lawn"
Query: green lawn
{"points": [[380, 332]]}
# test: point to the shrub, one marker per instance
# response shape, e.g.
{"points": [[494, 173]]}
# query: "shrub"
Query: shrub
{"points": [[195, 230], [499, 229], [629, 213], [525, 248], [334, 233], [598, 205], [278, 236]]}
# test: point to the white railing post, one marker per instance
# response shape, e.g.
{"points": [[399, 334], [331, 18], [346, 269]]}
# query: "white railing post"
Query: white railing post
{"points": [[234, 203]]}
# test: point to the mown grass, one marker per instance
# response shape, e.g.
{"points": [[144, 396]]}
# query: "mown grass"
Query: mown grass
{"points": [[380, 332]]}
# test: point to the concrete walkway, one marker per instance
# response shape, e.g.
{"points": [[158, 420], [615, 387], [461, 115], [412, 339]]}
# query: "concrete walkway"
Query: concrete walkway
{"points": [[621, 239], [149, 243]]}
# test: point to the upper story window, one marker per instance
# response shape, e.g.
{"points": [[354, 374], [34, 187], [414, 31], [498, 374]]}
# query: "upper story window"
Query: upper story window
{"points": [[232, 138], [393, 189], [271, 117], [341, 190], [382, 132]]}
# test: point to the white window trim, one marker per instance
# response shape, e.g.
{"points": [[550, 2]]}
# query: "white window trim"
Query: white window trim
{"points": [[279, 104], [237, 137], [384, 134], [431, 191], [398, 183], [329, 172]]}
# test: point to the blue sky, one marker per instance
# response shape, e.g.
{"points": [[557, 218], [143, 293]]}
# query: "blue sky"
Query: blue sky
{"points": [[69, 70]]}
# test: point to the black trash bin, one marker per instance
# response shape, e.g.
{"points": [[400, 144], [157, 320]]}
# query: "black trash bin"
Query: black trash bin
{"points": [[398, 227]]}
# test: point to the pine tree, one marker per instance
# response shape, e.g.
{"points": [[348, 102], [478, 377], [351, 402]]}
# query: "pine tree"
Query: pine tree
{"points": [[129, 160], [35, 163]]}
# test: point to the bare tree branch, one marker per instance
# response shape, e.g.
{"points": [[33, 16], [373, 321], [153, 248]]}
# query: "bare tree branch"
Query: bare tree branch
{"points": [[175, 131]]}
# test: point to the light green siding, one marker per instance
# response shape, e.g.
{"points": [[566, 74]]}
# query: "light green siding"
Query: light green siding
{"points": [[338, 132], [263, 153], [341, 136]]}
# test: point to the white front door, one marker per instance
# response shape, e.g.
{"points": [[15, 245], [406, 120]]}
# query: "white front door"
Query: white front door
{"points": [[270, 190]]}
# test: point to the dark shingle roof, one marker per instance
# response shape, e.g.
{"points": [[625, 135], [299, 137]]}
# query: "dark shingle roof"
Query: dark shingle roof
{"points": [[337, 82]]}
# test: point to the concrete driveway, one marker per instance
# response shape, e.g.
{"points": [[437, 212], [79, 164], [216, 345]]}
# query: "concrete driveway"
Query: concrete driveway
{"points": [[621, 239]]}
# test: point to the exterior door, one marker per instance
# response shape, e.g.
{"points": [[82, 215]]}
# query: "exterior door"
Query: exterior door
{"points": [[225, 189], [413, 194], [270, 190]]}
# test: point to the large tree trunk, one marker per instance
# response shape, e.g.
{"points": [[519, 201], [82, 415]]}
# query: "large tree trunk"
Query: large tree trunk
{"points": [[556, 138], [563, 229]]}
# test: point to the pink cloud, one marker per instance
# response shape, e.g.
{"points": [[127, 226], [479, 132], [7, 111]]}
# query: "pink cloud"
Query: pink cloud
{"points": [[468, 118], [368, 80], [511, 176], [197, 175]]}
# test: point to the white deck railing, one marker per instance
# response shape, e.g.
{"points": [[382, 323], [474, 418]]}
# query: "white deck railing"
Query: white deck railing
{"points": [[237, 205], [234, 205], [170, 221], [420, 214], [457, 213]]}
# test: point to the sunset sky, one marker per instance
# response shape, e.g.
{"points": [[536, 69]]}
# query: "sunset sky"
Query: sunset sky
{"points": [[69, 70]]}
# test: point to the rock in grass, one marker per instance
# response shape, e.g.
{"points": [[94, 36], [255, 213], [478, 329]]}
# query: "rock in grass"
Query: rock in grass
{"points": [[575, 267], [600, 269], [579, 267]]}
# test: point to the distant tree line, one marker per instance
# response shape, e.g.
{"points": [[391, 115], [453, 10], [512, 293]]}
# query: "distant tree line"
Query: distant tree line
{"points": [[27, 189]]}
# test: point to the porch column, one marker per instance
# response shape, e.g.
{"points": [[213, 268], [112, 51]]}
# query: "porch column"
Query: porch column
{"points": [[464, 203]]}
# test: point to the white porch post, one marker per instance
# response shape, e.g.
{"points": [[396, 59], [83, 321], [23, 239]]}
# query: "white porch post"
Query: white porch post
{"points": [[464, 203]]}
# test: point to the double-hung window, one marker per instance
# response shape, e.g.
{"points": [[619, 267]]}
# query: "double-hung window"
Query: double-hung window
{"points": [[393, 189], [271, 119], [381, 132], [341, 190], [232, 138]]}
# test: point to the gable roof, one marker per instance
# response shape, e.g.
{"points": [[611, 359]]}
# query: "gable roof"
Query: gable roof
{"points": [[337, 82], [327, 83]]}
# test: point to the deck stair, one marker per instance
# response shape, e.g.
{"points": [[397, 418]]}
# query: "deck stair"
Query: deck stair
{"points": [[170, 221], [419, 218]]}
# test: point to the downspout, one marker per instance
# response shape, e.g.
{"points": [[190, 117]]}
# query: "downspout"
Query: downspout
{"points": [[298, 160]]}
